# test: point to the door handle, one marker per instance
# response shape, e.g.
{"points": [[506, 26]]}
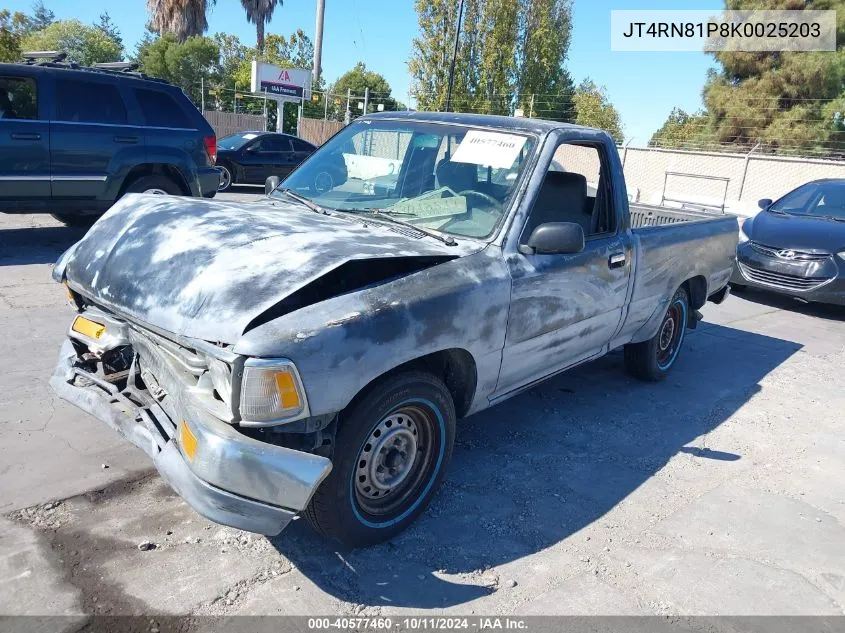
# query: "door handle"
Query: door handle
{"points": [[26, 136], [616, 260], [126, 139]]}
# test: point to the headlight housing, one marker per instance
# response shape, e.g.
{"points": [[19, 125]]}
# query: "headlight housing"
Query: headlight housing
{"points": [[841, 254], [743, 236], [271, 393]]}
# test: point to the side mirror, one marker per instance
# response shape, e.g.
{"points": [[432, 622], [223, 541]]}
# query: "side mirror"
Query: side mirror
{"points": [[764, 203], [252, 149], [270, 184], [554, 238]]}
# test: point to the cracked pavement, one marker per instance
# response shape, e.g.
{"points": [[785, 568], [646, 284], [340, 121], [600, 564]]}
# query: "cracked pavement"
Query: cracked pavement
{"points": [[719, 491]]}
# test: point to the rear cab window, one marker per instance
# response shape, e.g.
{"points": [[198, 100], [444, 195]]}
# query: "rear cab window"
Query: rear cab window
{"points": [[18, 97], [89, 102], [161, 110]]}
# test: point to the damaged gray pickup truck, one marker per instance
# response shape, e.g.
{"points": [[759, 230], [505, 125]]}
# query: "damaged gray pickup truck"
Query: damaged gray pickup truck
{"points": [[310, 352]]}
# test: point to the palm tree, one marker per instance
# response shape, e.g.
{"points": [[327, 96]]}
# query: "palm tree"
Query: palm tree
{"points": [[182, 18], [259, 13]]}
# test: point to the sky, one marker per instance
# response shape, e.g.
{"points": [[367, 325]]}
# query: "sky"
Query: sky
{"points": [[644, 86]]}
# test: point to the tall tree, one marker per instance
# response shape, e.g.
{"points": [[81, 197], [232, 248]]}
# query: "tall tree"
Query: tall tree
{"points": [[259, 13], [432, 50], [356, 81], [83, 44], [181, 18], [682, 130], [185, 64], [787, 101], [110, 28], [511, 52], [13, 27], [593, 108], [42, 17], [545, 85]]}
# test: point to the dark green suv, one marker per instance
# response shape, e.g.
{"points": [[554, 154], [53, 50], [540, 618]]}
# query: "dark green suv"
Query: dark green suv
{"points": [[73, 140]]}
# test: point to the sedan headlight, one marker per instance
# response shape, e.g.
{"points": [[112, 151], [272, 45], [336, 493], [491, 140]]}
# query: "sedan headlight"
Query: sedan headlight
{"points": [[743, 236], [841, 254], [271, 393]]}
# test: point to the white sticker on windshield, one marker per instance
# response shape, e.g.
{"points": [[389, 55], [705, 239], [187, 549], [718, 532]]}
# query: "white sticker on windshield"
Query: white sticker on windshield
{"points": [[490, 149]]}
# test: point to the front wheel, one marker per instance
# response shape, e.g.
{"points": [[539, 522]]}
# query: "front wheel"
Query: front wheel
{"points": [[391, 453], [652, 359]]}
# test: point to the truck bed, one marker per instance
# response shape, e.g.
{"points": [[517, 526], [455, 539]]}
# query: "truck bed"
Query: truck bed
{"points": [[643, 215]]}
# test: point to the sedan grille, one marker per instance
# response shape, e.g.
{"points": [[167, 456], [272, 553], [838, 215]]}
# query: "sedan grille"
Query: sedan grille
{"points": [[788, 254], [781, 280]]}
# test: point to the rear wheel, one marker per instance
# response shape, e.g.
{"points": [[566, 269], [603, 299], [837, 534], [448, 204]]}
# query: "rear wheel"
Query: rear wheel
{"points": [[391, 453], [652, 359], [77, 221], [154, 184]]}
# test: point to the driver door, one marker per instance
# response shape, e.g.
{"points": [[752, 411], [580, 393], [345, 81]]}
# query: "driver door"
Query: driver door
{"points": [[565, 308]]}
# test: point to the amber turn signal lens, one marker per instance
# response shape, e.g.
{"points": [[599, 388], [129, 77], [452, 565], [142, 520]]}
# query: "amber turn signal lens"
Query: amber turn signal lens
{"points": [[88, 328], [188, 440], [287, 390]]}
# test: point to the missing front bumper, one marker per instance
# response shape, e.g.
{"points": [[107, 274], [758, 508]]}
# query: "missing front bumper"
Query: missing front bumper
{"points": [[233, 479]]}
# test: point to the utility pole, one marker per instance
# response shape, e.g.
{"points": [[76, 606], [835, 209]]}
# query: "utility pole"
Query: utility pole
{"points": [[318, 40], [454, 56], [366, 99], [202, 95], [531, 108], [326, 99], [348, 116]]}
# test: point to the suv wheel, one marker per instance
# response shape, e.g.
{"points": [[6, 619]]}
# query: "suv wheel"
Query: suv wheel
{"points": [[77, 221], [155, 184]]}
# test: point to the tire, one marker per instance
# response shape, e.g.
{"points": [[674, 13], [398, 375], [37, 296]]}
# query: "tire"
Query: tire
{"points": [[652, 360], [156, 184], [77, 221], [358, 505], [227, 177]]}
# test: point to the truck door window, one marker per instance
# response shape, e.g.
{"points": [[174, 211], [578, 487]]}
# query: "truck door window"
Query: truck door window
{"points": [[575, 190], [17, 98]]}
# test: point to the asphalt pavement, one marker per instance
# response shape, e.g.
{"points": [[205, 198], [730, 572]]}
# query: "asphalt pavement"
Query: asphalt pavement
{"points": [[718, 491]]}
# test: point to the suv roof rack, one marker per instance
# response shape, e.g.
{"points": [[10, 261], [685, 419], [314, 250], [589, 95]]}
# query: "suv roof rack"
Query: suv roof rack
{"points": [[56, 59], [30, 57], [123, 67]]}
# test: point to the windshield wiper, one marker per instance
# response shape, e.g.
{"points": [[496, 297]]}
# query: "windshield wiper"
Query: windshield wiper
{"points": [[777, 211], [830, 217], [303, 200], [381, 214]]}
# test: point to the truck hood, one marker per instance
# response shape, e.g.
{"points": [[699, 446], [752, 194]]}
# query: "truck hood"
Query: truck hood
{"points": [[208, 269], [797, 232]]}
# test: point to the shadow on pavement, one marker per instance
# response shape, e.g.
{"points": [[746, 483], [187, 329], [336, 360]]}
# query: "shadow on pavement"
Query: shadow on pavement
{"points": [[773, 300], [36, 245], [540, 467]]}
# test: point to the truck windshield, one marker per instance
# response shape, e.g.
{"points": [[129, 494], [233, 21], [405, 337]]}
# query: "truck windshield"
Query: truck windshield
{"points": [[449, 178]]}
